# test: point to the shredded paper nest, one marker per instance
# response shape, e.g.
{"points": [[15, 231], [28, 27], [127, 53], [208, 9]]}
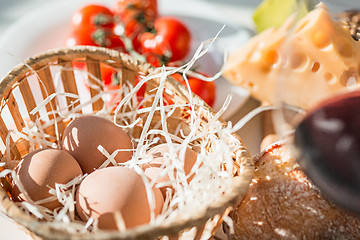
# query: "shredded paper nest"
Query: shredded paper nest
{"points": [[164, 115]]}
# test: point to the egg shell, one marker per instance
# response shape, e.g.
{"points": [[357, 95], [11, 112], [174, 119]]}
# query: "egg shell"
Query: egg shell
{"points": [[40, 170], [83, 135], [154, 169], [116, 189]]}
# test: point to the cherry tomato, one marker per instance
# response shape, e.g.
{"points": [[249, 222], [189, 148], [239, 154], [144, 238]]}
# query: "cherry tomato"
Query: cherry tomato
{"points": [[112, 97], [95, 37], [140, 94], [171, 41], [132, 7], [108, 73], [204, 89], [92, 16], [136, 15], [94, 25], [111, 80]]}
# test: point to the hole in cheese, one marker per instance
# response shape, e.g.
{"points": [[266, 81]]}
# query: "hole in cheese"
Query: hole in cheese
{"points": [[330, 78], [272, 57], [344, 47], [251, 85], [315, 67], [298, 60], [349, 78], [265, 68], [320, 39]]}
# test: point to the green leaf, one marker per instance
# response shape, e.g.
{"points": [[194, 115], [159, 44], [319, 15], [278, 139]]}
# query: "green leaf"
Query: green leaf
{"points": [[273, 13]]}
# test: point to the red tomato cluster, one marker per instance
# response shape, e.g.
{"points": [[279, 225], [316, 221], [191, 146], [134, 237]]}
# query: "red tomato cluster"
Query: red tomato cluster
{"points": [[161, 40]]}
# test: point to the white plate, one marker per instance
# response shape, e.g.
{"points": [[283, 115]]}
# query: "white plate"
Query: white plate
{"points": [[48, 26]]}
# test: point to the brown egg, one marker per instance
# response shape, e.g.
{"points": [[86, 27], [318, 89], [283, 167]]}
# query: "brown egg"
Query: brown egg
{"points": [[112, 190], [83, 135], [154, 168], [40, 170]]}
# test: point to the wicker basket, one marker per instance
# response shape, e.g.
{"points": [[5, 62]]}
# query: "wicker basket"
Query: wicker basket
{"points": [[57, 65]]}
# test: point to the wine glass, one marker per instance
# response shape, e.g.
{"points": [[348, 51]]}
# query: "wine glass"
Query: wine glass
{"points": [[318, 98]]}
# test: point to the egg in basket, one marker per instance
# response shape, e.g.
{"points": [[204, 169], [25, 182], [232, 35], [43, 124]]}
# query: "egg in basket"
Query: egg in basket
{"points": [[148, 160]]}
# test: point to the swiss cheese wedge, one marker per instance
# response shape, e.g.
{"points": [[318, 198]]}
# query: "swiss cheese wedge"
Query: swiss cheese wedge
{"points": [[299, 66]]}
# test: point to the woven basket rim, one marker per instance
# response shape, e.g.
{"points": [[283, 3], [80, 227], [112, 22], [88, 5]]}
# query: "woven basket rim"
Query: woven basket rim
{"points": [[240, 183], [67, 53]]}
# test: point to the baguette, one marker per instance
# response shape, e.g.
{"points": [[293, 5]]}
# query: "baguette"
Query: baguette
{"points": [[282, 203]]}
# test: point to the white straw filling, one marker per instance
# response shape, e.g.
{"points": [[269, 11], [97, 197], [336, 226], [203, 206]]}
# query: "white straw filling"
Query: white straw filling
{"points": [[215, 145]]}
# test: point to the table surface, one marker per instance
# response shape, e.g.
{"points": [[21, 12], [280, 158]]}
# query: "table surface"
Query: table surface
{"points": [[12, 10]]}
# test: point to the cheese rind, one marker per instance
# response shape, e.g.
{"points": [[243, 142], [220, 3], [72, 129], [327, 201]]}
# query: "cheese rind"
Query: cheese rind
{"points": [[300, 66]]}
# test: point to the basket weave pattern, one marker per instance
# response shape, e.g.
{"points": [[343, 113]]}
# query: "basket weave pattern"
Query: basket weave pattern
{"points": [[57, 65]]}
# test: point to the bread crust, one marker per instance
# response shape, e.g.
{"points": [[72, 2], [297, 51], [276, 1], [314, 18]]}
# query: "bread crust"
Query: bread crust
{"points": [[282, 203]]}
